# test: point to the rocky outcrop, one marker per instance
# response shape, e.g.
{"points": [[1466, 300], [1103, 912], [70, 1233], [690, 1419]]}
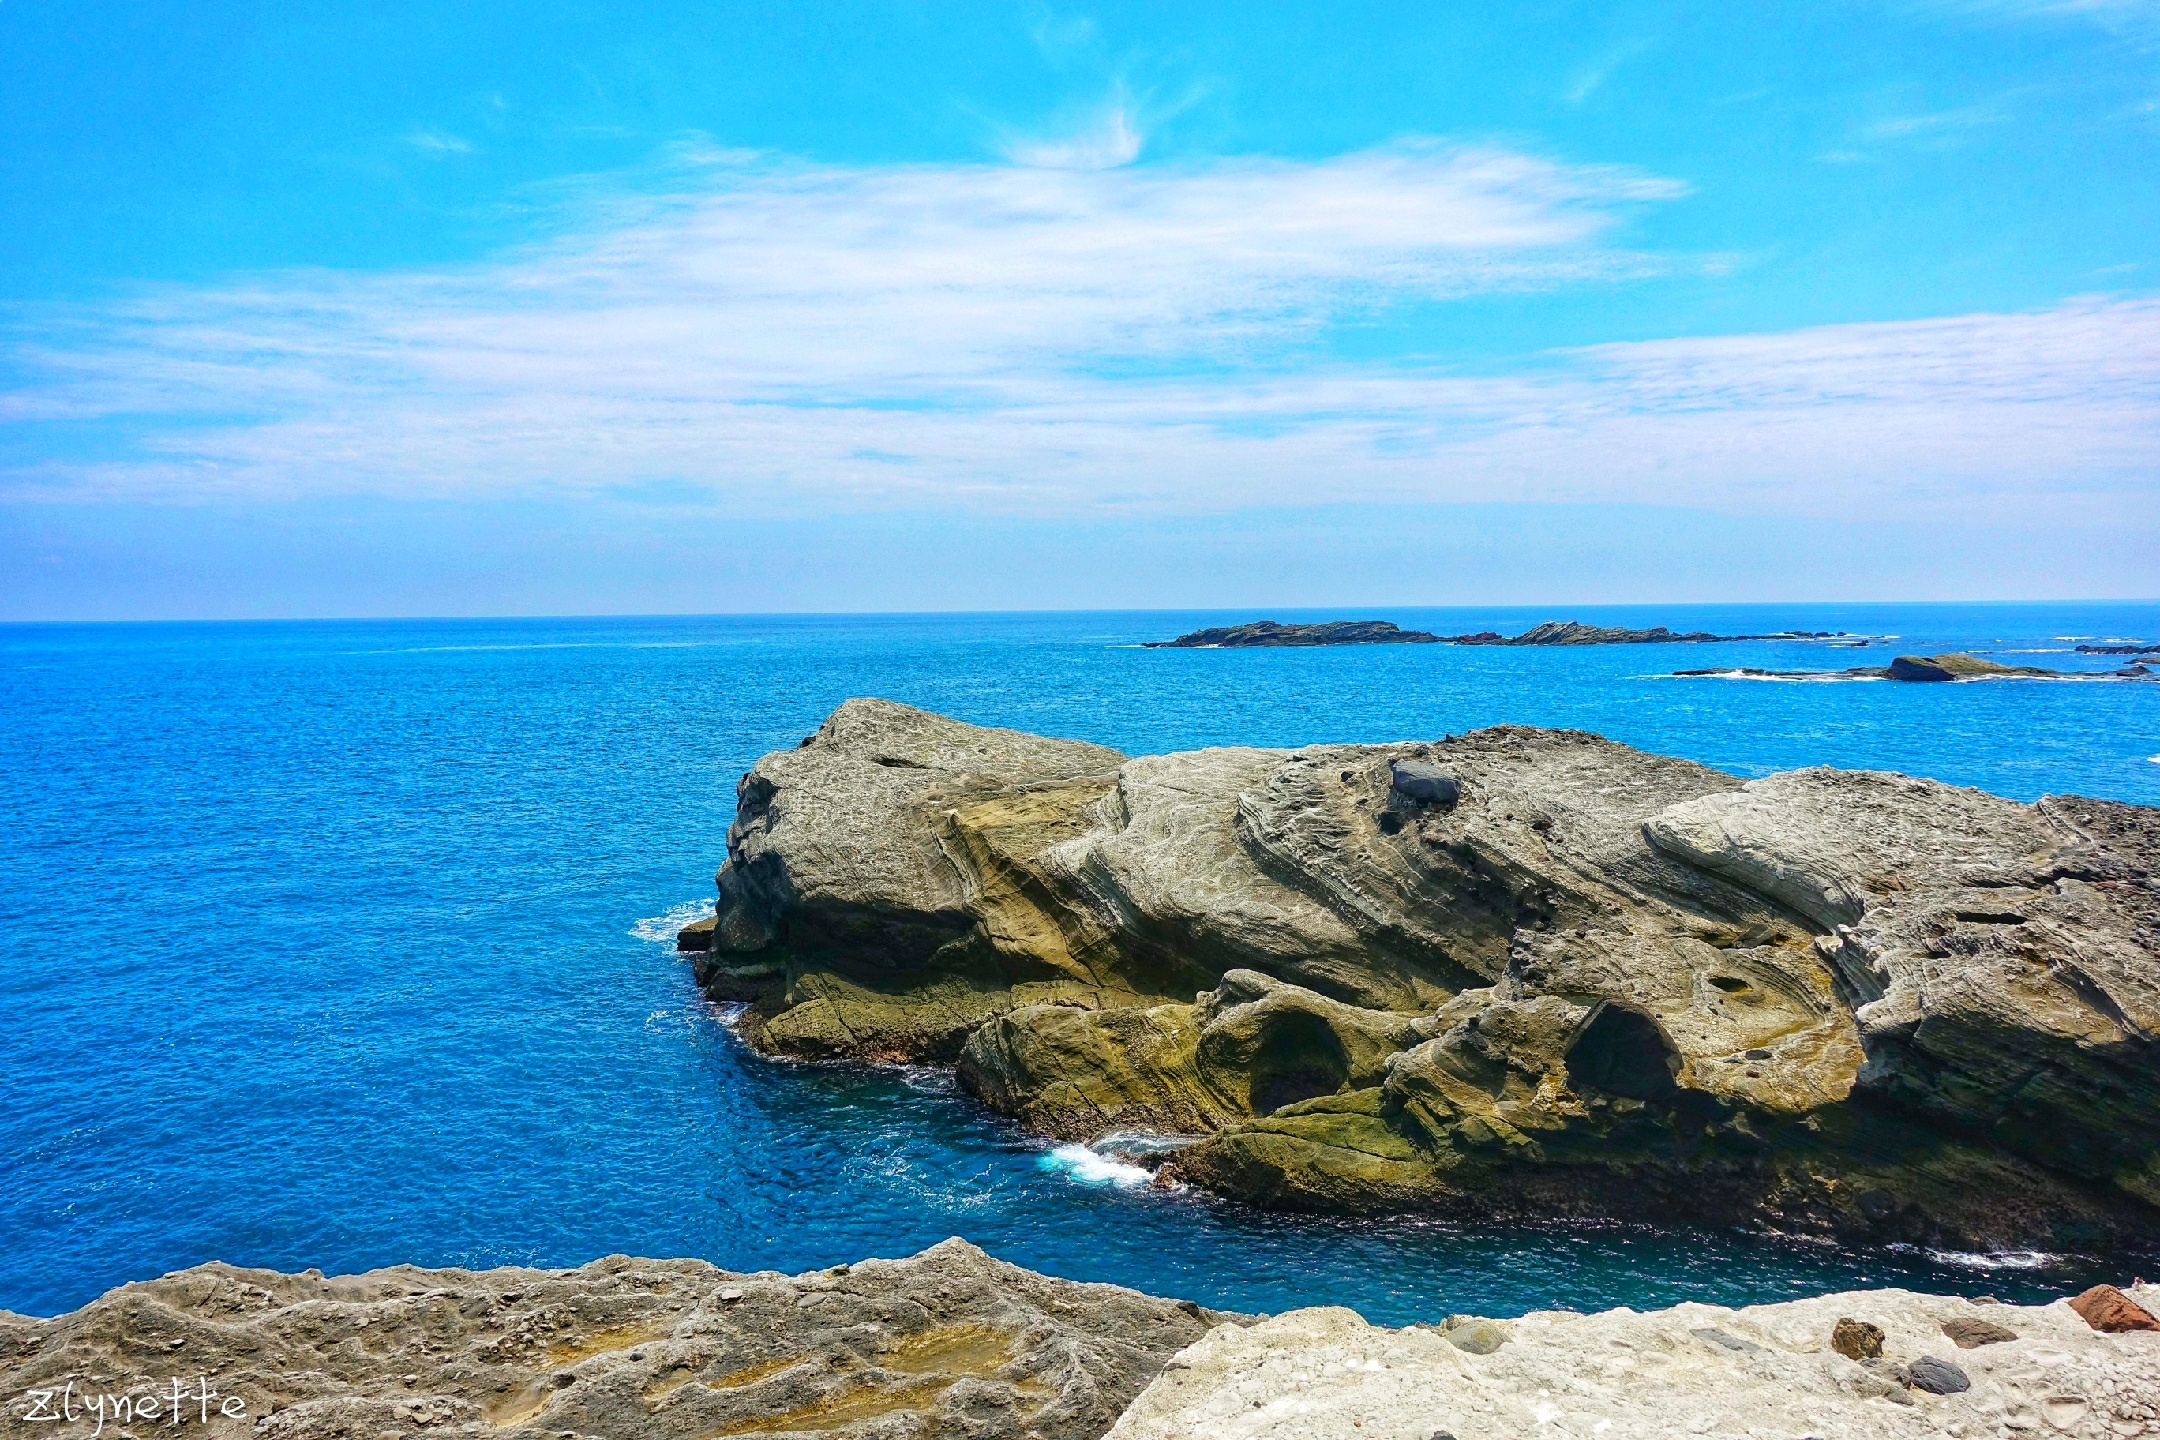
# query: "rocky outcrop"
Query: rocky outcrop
{"points": [[1574, 632], [1954, 667], [947, 1344], [1576, 979], [1270, 633], [1692, 1370], [1262, 633], [1924, 669]]}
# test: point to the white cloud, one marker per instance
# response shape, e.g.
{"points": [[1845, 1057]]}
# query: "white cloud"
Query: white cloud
{"points": [[1110, 138], [795, 339], [1591, 77], [438, 142]]}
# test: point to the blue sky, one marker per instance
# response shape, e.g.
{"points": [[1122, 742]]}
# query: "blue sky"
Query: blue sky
{"points": [[563, 308]]}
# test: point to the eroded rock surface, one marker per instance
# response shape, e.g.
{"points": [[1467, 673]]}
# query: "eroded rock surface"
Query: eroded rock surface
{"points": [[1691, 1370], [1573, 979], [950, 1343]]}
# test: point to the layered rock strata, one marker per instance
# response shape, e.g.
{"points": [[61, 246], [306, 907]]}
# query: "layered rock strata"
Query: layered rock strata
{"points": [[948, 1344], [1946, 1367], [1577, 979]]}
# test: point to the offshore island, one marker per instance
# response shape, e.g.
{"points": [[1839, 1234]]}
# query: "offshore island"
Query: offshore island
{"points": [[1269, 633]]}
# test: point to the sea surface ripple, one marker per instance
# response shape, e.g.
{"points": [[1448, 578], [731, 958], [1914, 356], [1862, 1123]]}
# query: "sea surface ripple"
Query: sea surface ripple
{"points": [[342, 944]]}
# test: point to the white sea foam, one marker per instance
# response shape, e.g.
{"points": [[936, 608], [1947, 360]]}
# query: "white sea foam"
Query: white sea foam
{"points": [[2003, 1260], [546, 645], [662, 928], [1822, 677], [1080, 1164]]}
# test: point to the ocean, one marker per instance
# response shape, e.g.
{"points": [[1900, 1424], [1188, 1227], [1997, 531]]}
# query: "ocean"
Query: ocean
{"points": [[343, 944]]}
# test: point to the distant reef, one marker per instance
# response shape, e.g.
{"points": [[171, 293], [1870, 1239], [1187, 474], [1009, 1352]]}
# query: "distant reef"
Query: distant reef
{"points": [[2118, 649], [1264, 633], [1513, 974], [1927, 668]]}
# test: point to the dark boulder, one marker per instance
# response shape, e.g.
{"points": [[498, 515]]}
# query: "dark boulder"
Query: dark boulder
{"points": [[1424, 782], [1938, 1377]]}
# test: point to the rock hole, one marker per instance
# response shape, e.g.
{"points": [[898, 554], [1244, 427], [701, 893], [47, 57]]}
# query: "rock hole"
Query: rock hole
{"points": [[894, 762], [1622, 1052], [1390, 823], [1299, 1058], [1730, 984]]}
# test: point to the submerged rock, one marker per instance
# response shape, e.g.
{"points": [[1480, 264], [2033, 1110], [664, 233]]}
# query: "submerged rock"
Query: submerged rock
{"points": [[1601, 982], [950, 1343]]}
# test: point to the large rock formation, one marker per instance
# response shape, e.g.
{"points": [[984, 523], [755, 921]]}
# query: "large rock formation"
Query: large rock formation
{"points": [[1596, 982], [946, 1345], [1946, 1367]]}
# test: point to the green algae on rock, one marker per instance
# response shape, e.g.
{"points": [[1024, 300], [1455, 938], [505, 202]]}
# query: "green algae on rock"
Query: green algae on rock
{"points": [[1593, 982]]}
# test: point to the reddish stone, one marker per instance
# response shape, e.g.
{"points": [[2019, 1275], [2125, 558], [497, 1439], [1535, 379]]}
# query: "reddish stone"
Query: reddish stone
{"points": [[2106, 1308]]}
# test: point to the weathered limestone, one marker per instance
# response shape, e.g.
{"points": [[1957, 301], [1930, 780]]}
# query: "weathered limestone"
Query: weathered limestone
{"points": [[1573, 978], [1768, 1370], [948, 1344]]}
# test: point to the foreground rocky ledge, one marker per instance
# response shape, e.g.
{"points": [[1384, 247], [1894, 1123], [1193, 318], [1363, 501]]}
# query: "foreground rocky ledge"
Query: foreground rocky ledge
{"points": [[953, 1344], [950, 1343], [1511, 973], [1770, 1370]]}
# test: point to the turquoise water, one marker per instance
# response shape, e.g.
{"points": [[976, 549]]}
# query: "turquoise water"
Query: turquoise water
{"points": [[343, 944]]}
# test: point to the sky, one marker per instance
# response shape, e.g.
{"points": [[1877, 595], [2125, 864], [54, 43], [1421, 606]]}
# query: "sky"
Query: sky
{"points": [[554, 308]]}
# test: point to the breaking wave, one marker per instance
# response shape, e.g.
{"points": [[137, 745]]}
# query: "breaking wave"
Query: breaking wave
{"points": [[662, 928], [1083, 1166]]}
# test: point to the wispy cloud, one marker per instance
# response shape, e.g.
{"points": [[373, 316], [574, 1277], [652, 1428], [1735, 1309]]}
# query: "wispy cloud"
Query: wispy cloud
{"points": [[1590, 77], [438, 142], [1921, 130], [1932, 124], [1108, 138], [796, 339]]}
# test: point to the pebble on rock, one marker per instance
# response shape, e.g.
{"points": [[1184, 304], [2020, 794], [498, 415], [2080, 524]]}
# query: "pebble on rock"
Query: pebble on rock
{"points": [[1971, 1333], [1938, 1377], [2106, 1308], [1472, 1335], [1856, 1339]]}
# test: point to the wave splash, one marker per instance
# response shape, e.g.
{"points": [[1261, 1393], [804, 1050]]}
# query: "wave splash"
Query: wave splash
{"points": [[662, 928], [1083, 1166]]}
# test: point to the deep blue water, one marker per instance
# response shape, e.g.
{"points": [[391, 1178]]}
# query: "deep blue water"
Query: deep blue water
{"points": [[343, 944]]}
